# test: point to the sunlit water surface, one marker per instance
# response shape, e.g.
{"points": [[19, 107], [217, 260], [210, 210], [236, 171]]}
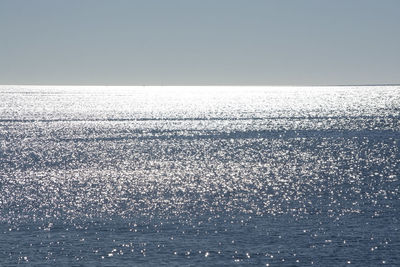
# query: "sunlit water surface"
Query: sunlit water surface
{"points": [[278, 176]]}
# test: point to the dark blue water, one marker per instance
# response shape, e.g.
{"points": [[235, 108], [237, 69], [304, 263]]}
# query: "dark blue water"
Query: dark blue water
{"points": [[189, 176]]}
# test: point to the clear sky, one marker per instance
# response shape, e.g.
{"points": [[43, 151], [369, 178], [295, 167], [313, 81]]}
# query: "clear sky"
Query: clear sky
{"points": [[199, 42]]}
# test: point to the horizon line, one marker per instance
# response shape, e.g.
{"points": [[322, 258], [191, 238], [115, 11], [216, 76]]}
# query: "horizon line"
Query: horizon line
{"points": [[205, 85]]}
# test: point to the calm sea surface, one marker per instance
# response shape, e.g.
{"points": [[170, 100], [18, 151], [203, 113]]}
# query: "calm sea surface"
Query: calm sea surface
{"points": [[189, 176]]}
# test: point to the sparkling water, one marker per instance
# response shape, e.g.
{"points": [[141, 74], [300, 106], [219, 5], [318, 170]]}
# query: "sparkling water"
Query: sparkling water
{"points": [[178, 176]]}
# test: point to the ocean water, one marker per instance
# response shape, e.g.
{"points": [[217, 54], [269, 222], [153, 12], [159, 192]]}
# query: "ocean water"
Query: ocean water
{"points": [[192, 176]]}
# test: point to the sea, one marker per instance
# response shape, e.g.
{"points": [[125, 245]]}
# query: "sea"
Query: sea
{"points": [[199, 176]]}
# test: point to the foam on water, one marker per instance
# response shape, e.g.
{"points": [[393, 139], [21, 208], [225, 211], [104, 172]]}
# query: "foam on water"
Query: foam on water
{"points": [[199, 175]]}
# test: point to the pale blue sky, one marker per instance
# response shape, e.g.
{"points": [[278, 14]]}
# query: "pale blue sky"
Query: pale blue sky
{"points": [[175, 42]]}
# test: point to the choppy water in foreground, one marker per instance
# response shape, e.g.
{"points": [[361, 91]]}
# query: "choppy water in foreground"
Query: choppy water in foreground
{"points": [[104, 176]]}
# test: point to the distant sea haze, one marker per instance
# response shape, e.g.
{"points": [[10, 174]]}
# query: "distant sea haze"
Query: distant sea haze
{"points": [[200, 175]]}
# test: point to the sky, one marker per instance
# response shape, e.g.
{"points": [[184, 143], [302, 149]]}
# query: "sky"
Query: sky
{"points": [[200, 42]]}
